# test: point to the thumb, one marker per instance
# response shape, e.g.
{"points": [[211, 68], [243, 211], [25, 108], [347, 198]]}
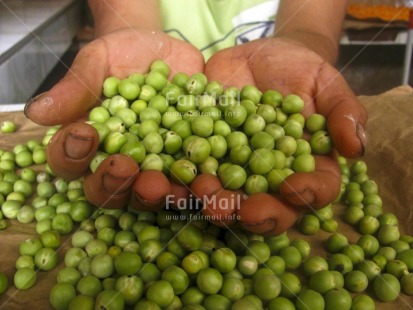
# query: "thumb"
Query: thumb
{"points": [[75, 94], [346, 116]]}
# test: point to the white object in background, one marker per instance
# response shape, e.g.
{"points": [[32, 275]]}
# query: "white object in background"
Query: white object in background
{"points": [[409, 48], [15, 107]]}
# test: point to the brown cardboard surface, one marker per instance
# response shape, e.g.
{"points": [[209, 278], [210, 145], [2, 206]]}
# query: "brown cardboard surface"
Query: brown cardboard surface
{"points": [[389, 156]]}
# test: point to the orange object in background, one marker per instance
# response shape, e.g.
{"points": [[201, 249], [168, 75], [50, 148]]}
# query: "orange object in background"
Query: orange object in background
{"points": [[386, 13]]}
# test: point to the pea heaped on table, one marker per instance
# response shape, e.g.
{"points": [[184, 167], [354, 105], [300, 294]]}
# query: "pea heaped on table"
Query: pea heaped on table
{"points": [[212, 139]]}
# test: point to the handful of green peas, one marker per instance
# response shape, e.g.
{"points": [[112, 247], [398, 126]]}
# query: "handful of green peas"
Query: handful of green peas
{"points": [[189, 125]]}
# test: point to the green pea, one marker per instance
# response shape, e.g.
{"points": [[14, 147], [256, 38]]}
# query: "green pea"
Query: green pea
{"points": [[10, 208], [314, 264], [152, 162], [25, 278], [247, 265], [249, 106], [252, 93], [186, 103], [275, 177], [8, 126], [261, 161], [322, 281], [290, 285], [214, 89], [183, 171], [233, 177], [221, 128], [19, 148], [338, 299], [396, 268], [161, 292], [99, 115], [340, 262], [209, 280], [24, 261], [235, 116], [386, 234], [153, 143], [387, 219], [110, 299], [129, 89], [24, 159], [354, 196], [50, 239], [368, 225], [386, 287], [43, 225], [310, 299], [356, 281], [291, 256], [316, 122], [354, 252], [369, 244], [28, 175], [369, 268], [198, 150], [216, 301], [255, 184], [353, 215], [321, 142], [6, 187], [148, 126], [45, 259], [272, 98], [45, 189], [363, 302], [258, 249], [407, 257], [110, 86], [195, 84], [281, 303], [61, 295], [102, 266], [177, 277], [254, 123], [303, 247]]}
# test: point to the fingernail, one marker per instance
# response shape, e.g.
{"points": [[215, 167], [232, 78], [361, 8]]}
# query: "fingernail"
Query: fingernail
{"points": [[115, 185], [77, 147], [361, 134], [30, 102], [307, 196]]}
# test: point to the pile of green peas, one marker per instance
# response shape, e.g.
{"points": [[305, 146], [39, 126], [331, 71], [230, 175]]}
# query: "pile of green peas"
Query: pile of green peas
{"points": [[189, 125]]}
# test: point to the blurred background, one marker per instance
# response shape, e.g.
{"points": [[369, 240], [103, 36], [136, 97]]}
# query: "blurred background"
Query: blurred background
{"points": [[373, 47]]}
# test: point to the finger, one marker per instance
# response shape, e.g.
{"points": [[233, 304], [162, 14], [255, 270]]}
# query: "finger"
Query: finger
{"points": [[221, 208], [265, 214], [346, 117], [205, 185], [229, 67], [76, 93], [315, 189], [179, 197], [110, 185], [71, 149], [150, 190]]}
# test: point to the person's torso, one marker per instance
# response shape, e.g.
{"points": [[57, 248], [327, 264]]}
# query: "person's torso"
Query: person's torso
{"points": [[211, 25]]}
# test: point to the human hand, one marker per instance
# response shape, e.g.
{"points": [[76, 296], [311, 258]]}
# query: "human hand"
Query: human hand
{"points": [[290, 67], [72, 148], [119, 53]]}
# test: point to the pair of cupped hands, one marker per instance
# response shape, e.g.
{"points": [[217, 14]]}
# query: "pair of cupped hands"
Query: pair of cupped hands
{"points": [[271, 63]]}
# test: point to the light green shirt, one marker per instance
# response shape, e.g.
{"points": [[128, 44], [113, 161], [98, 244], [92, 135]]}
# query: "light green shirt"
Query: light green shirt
{"points": [[211, 25]]}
